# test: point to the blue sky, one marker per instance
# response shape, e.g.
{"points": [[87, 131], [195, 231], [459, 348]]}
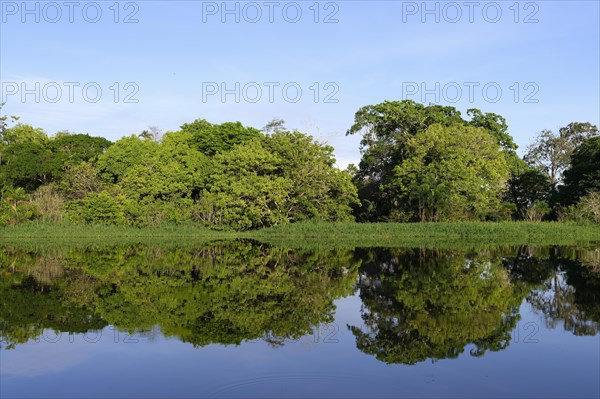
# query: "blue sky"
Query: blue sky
{"points": [[543, 56]]}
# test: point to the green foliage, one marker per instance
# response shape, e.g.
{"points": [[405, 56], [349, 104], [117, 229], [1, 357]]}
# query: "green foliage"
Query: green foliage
{"points": [[124, 154], [419, 163], [27, 165], [103, 208], [284, 177], [536, 211], [551, 153], [585, 211], [388, 130], [526, 187], [450, 173], [72, 149], [22, 134], [211, 139], [318, 189], [80, 180], [495, 125], [15, 207], [583, 174]]}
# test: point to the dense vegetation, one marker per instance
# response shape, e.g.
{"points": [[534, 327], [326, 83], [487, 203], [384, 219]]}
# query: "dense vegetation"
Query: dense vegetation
{"points": [[427, 163], [419, 163]]}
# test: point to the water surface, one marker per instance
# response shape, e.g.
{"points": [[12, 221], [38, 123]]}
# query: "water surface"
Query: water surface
{"points": [[245, 319]]}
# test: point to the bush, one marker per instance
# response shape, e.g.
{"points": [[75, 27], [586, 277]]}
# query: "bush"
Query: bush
{"points": [[49, 202], [15, 207], [587, 210], [537, 211], [589, 206], [102, 208]]}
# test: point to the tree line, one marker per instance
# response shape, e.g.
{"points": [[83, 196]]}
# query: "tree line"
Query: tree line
{"points": [[419, 163]]}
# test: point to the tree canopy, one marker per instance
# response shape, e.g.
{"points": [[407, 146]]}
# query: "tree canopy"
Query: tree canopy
{"points": [[420, 163], [395, 149]]}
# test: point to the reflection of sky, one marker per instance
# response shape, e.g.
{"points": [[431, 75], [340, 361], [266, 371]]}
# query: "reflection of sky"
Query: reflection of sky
{"points": [[308, 367]]}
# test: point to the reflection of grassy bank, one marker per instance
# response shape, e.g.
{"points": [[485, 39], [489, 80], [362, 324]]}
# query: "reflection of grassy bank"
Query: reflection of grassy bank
{"points": [[323, 234], [430, 234]]}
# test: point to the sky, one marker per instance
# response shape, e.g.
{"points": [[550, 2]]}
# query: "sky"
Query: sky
{"points": [[113, 68]]}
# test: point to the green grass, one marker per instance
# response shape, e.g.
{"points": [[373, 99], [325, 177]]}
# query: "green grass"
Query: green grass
{"points": [[82, 233], [431, 234], [321, 234]]}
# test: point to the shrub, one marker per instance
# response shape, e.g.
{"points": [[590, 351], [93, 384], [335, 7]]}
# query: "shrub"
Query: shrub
{"points": [[101, 208]]}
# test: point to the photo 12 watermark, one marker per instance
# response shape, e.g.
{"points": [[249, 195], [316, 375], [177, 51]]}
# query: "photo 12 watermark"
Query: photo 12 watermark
{"points": [[253, 12], [471, 92], [325, 333], [452, 12], [53, 12], [269, 92], [72, 92]]}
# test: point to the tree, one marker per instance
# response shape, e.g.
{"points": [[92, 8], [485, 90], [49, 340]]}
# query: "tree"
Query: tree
{"points": [[153, 133], [103, 207], [211, 139], [275, 126], [27, 165], [124, 154], [386, 130], [495, 125], [18, 134], [319, 189], [551, 153], [76, 148], [526, 187], [589, 206], [80, 180], [173, 170], [451, 172], [15, 207], [22, 133], [274, 179], [245, 190], [3, 129], [583, 175]]}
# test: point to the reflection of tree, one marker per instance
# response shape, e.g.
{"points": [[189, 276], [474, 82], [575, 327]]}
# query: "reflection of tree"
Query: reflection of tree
{"points": [[571, 295], [222, 293], [531, 265], [417, 304], [29, 305], [231, 292], [420, 304]]}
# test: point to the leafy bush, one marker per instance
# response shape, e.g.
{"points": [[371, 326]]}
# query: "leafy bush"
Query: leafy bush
{"points": [[537, 211], [15, 207], [101, 208], [585, 211]]}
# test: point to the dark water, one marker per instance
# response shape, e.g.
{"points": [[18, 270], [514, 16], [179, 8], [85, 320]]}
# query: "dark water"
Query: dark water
{"points": [[244, 319]]}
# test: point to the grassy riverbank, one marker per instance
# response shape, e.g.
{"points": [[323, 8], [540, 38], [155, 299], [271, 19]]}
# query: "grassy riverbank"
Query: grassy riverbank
{"points": [[321, 234]]}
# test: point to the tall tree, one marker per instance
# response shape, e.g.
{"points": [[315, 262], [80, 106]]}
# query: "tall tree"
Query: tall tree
{"points": [[583, 174], [552, 152], [451, 172], [386, 130]]}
